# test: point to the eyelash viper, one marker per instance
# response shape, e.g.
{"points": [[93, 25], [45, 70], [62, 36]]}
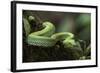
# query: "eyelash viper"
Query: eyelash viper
{"points": [[48, 38]]}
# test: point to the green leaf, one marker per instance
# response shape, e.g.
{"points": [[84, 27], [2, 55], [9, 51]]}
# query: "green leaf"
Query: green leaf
{"points": [[87, 50], [26, 26]]}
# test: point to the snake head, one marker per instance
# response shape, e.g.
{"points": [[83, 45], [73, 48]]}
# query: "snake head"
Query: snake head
{"points": [[69, 43]]}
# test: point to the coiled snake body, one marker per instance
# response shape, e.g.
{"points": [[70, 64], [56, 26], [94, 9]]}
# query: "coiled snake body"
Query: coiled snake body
{"points": [[48, 38]]}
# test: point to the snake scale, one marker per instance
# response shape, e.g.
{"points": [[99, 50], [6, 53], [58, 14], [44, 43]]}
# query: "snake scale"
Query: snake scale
{"points": [[48, 38]]}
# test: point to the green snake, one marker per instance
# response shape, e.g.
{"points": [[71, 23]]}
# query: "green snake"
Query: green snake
{"points": [[48, 38]]}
